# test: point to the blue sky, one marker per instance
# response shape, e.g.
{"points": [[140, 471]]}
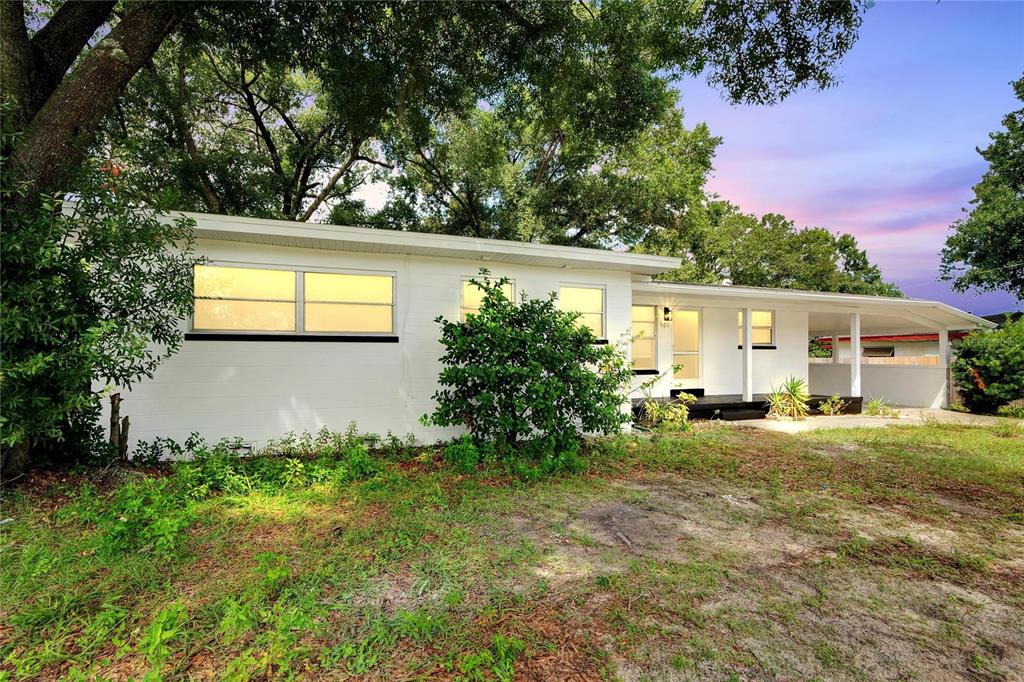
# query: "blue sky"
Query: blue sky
{"points": [[888, 154]]}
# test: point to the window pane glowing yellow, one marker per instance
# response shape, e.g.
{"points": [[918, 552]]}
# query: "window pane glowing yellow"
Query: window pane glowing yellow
{"points": [[644, 329], [762, 322], [690, 366], [643, 313], [685, 331], [594, 321], [244, 315], [345, 317], [335, 288], [644, 354], [581, 300], [212, 281], [473, 296]]}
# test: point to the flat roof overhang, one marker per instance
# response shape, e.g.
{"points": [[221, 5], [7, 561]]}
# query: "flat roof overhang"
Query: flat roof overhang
{"points": [[828, 313], [371, 240]]}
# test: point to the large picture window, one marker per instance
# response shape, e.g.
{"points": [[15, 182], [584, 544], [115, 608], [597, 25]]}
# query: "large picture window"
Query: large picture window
{"points": [[473, 296], [644, 328], [762, 324], [588, 302], [247, 299]]}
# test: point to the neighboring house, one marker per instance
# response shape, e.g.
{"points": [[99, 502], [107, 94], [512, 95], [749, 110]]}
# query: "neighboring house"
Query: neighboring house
{"points": [[896, 345], [299, 326]]}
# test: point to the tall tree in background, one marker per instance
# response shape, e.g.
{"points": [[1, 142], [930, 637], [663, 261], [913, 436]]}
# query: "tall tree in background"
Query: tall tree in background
{"points": [[619, 57], [500, 173], [986, 249], [727, 245]]}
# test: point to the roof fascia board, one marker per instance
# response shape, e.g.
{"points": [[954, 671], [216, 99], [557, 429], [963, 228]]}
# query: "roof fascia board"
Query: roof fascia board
{"points": [[232, 228]]}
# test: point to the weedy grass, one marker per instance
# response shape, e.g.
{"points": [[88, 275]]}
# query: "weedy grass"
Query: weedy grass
{"points": [[719, 552]]}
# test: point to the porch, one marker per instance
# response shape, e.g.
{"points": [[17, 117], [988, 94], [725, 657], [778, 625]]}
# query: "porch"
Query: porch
{"points": [[731, 345], [732, 407]]}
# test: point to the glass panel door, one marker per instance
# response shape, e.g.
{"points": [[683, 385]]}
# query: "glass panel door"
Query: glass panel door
{"points": [[686, 345]]}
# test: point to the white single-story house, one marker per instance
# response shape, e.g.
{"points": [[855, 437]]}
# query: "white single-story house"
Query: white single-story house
{"points": [[299, 326]]}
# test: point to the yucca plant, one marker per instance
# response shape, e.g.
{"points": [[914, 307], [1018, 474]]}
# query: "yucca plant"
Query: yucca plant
{"points": [[790, 399]]}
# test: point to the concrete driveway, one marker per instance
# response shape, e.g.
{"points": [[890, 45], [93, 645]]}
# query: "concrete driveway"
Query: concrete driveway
{"points": [[908, 416]]}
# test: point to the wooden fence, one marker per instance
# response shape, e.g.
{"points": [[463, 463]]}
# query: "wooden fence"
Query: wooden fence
{"points": [[911, 360]]}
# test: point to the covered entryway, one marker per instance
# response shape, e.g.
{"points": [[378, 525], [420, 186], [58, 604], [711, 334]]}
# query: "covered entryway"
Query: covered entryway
{"points": [[738, 343]]}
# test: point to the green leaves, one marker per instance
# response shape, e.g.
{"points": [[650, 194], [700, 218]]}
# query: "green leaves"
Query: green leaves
{"points": [[989, 367], [527, 377], [986, 249]]}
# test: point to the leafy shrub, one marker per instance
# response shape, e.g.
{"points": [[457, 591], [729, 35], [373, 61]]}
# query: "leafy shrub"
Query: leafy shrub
{"points": [[462, 455], [93, 294], [527, 373], [989, 367], [145, 514], [790, 399], [1011, 411], [833, 406], [670, 415]]}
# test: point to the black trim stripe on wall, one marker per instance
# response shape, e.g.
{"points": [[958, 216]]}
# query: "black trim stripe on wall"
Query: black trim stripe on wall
{"points": [[316, 338]]}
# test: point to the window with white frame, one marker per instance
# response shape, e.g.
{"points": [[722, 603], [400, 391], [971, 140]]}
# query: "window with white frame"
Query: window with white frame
{"points": [[644, 329], [473, 296], [588, 302], [762, 328], [244, 299]]}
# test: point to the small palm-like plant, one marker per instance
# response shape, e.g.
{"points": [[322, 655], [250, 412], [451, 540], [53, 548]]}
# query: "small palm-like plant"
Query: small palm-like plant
{"points": [[790, 399]]}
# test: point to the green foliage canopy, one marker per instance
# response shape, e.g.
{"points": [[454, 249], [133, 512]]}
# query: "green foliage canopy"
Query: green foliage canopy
{"points": [[725, 244], [986, 249]]}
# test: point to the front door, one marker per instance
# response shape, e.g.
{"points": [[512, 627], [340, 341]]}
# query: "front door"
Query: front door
{"points": [[686, 347]]}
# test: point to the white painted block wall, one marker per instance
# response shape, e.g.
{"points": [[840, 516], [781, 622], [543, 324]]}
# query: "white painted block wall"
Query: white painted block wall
{"points": [[910, 386], [262, 389]]}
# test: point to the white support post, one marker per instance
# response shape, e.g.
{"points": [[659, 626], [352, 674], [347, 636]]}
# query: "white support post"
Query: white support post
{"points": [[835, 348], [748, 355], [855, 353], [944, 363]]}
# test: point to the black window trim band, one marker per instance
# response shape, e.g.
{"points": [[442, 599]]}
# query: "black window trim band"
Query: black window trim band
{"points": [[320, 338]]}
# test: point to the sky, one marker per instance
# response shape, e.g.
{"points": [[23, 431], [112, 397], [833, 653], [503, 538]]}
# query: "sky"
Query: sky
{"points": [[889, 154]]}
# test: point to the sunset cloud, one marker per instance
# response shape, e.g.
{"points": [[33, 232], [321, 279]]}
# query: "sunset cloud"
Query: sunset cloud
{"points": [[889, 154]]}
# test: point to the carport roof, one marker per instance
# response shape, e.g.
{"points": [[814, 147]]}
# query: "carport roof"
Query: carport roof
{"points": [[827, 312]]}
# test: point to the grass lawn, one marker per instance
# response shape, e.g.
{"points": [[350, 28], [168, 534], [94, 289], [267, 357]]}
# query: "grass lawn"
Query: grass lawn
{"points": [[724, 553]]}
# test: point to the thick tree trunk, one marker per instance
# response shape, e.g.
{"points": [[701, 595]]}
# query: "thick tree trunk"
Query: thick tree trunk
{"points": [[56, 46], [56, 139], [13, 462], [15, 60]]}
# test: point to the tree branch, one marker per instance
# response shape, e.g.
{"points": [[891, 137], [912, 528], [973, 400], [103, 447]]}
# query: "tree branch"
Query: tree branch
{"points": [[55, 142], [353, 156], [57, 44]]}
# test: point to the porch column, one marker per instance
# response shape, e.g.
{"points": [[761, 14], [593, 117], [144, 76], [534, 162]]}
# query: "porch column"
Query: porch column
{"points": [[944, 363], [835, 348], [748, 355], [855, 353]]}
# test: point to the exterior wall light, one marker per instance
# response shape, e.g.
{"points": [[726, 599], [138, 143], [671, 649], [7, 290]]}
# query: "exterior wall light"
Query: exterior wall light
{"points": [[667, 314]]}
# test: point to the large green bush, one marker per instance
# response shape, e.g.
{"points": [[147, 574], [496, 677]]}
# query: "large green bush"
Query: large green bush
{"points": [[93, 292], [527, 378], [989, 368]]}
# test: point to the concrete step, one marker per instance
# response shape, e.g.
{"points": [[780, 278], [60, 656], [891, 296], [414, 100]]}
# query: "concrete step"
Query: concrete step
{"points": [[737, 415]]}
